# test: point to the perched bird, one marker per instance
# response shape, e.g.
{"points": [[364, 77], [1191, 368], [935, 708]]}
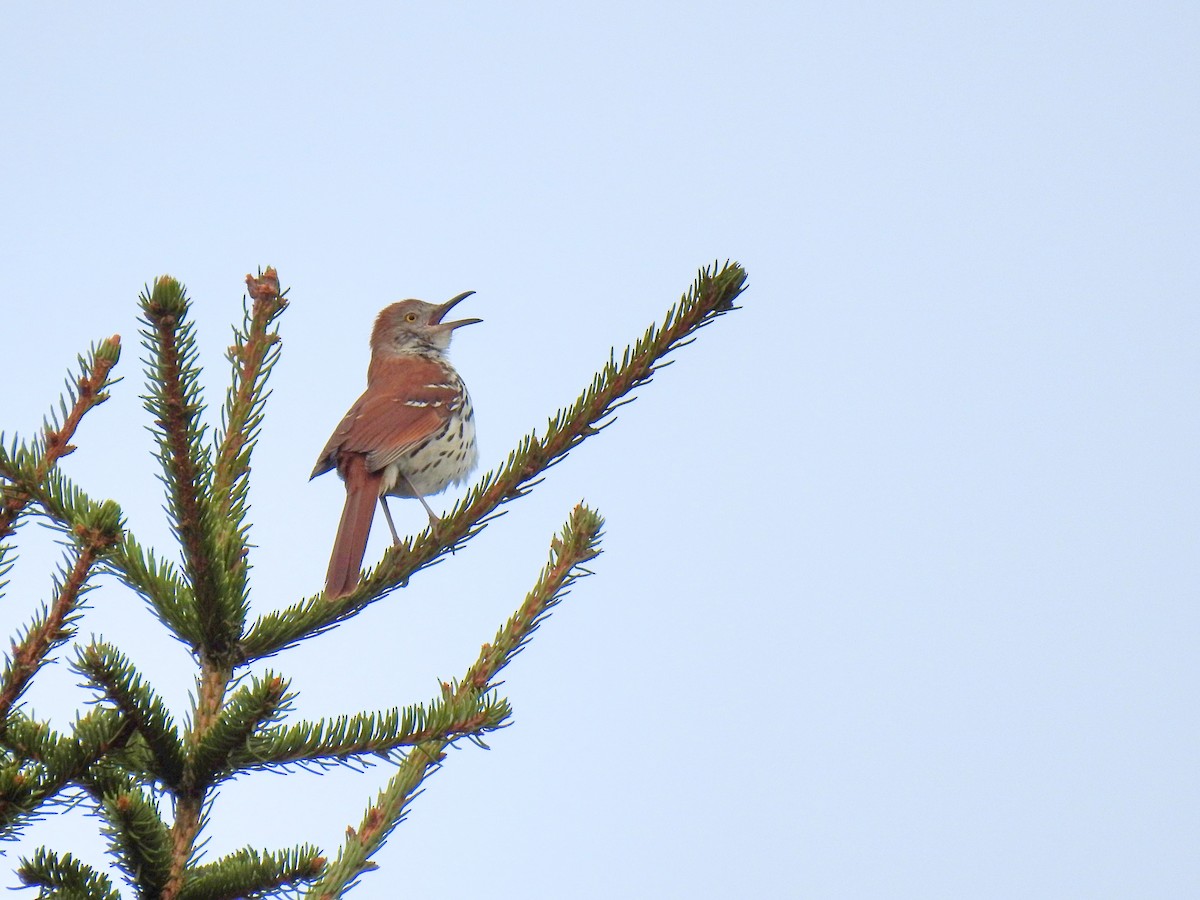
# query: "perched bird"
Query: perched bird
{"points": [[411, 433]]}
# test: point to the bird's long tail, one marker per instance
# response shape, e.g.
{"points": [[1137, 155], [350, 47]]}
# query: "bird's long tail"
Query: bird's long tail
{"points": [[362, 493]]}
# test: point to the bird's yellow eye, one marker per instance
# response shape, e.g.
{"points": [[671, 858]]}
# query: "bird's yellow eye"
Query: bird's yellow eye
{"points": [[411, 317]]}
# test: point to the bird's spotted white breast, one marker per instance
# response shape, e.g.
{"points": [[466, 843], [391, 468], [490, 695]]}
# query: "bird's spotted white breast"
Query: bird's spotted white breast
{"points": [[446, 457]]}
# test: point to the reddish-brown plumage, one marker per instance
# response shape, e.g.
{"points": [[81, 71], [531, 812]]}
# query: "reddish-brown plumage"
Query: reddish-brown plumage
{"points": [[410, 434], [383, 423], [362, 492]]}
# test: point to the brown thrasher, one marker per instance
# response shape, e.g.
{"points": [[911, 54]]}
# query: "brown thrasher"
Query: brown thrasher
{"points": [[411, 433]]}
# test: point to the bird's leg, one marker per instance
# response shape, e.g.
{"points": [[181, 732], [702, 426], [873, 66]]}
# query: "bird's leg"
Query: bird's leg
{"points": [[434, 520], [387, 514]]}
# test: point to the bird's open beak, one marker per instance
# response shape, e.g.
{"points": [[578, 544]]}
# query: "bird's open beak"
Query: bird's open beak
{"points": [[449, 305]]}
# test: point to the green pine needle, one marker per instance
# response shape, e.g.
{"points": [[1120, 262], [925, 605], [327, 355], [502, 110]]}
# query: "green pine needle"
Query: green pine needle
{"points": [[247, 710], [139, 840], [357, 738], [111, 672], [65, 877], [253, 873]]}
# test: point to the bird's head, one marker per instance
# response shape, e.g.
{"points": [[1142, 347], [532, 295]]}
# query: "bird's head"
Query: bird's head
{"points": [[413, 326]]}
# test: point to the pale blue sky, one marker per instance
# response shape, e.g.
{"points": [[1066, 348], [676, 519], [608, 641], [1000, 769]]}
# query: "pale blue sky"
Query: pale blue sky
{"points": [[899, 596]]}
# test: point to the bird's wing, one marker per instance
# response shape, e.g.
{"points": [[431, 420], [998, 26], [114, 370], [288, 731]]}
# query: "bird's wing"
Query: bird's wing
{"points": [[407, 400]]}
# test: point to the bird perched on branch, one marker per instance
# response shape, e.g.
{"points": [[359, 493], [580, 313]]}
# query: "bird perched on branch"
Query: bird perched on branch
{"points": [[411, 433]]}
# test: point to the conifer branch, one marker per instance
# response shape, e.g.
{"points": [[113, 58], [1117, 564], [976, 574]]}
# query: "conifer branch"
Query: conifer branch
{"points": [[64, 505], [250, 707], [126, 768], [67, 506], [212, 687], [97, 530], [65, 877], [253, 355], [114, 675], [176, 402], [52, 626], [19, 798], [53, 762], [712, 295], [87, 391], [348, 738], [251, 873], [578, 543], [37, 742], [140, 841], [158, 583]]}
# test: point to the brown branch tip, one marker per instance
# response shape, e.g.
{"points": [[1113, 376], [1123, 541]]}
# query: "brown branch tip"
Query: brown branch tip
{"points": [[263, 287]]}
